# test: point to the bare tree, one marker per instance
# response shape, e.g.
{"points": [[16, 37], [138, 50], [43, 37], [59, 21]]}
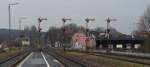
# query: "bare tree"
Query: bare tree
{"points": [[144, 22], [144, 28], [33, 35], [63, 34]]}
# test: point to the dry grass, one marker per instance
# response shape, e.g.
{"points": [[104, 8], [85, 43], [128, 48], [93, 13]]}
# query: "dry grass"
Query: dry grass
{"points": [[9, 53]]}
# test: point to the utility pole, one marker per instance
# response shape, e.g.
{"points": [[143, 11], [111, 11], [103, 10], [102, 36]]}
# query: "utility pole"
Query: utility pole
{"points": [[87, 30], [108, 31], [9, 16], [64, 20], [39, 27]]}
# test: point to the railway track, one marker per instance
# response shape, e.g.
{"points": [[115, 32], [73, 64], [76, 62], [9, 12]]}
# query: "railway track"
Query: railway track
{"points": [[128, 58], [144, 60], [69, 61], [14, 60]]}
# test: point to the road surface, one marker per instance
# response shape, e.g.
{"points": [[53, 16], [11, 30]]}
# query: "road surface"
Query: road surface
{"points": [[40, 59]]}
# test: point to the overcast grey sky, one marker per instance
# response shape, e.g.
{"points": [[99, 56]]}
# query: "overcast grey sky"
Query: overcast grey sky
{"points": [[127, 12]]}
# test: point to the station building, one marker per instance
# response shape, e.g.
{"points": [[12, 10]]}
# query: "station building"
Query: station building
{"points": [[81, 41]]}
